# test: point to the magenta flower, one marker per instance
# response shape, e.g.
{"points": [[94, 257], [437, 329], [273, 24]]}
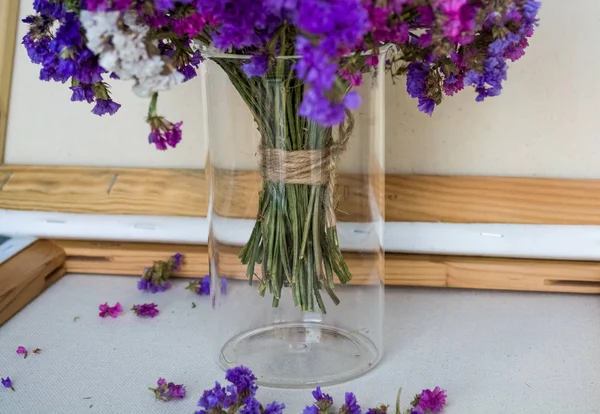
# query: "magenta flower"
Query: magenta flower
{"points": [[22, 351], [112, 311], [433, 400], [7, 383], [168, 391], [147, 309]]}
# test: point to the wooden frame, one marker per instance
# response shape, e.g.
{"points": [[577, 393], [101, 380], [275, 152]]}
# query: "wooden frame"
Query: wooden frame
{"points": [[451, 199]]}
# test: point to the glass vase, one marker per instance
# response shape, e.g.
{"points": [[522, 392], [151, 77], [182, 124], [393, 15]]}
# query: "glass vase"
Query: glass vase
{"points": [[296, 226]]}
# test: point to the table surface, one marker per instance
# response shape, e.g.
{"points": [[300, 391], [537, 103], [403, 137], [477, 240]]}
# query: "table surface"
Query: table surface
{"points": [[494, 352]]}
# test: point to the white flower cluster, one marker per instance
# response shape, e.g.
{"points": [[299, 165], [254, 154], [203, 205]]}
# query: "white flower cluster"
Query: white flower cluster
{"points": [[121, 46]]}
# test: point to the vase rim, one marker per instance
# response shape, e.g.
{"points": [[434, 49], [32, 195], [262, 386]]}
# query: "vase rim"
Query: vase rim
{"points": [[212, 53]]}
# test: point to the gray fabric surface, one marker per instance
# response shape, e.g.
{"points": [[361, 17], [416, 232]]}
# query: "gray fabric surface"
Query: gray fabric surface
{"points": [[495, 352]]}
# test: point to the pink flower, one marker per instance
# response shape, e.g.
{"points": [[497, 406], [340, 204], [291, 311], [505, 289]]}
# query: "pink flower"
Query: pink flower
{"points": [[112, 311], [22, 351], [433, 400]]}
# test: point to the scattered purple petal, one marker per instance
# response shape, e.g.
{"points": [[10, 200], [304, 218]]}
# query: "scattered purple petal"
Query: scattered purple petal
{"points": [[147, 309]]}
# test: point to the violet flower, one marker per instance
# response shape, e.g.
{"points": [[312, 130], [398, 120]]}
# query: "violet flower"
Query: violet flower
{"points": [[22, 351], [147, 309], [350, 406], [202, 287], [243, 379], [112, 311], [168, 391], [155, 278], [7, 383], [324, 401], [274, 408]]}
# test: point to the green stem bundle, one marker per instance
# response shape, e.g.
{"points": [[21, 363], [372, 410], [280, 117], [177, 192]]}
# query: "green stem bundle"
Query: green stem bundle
{"points": [[292, 239]]}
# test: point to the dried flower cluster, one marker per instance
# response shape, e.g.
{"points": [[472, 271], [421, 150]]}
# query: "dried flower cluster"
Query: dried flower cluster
{"points": [[239, 397], [444, 46]]}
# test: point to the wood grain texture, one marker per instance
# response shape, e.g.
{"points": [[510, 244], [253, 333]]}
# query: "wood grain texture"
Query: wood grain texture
{"points": [[400, 270], [9, 17], [137, 191], [409, 198], [27, 274]]}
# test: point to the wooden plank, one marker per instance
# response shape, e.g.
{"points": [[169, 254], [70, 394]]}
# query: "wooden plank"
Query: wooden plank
{"points": [[409, 198], [91, 190], [24, 276], [400, 270], [9, 17], [515, 200]]}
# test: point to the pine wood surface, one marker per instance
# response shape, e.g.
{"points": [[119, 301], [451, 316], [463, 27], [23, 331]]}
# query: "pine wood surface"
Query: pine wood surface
{"points": [[400, 270], [27, 274], [409, 198]]}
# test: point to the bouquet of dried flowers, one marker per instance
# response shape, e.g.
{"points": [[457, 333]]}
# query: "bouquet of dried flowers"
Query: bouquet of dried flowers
{"points": [[314, 52]]}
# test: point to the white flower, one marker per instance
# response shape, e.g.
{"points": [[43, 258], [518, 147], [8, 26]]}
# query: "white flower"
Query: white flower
{"points": [[125, 52]]}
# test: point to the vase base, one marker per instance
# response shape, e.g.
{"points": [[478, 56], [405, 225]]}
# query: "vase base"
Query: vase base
{"points": [[301, 355]]}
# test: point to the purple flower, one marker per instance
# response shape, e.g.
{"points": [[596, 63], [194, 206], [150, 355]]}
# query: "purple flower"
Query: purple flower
{"points": [[243, 379], [251, 406], [352, 100], [426, 105], [350, 406], [147, 309], [218, 397], [433, 400], [319, 396], [7, 383], [112, 311], [453, 84], [416, 79], [148, 285], [188, 72], [175, 261], [82, 92], [163, 133], [417, 410], [22, 351], [311, 409], [201, 287], [274, 408], [258, 66], [324, 401], [168, 391], [105, 106]]}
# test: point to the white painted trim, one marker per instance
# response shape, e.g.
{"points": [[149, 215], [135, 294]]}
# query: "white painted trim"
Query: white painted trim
{"points": [[502, 240]]}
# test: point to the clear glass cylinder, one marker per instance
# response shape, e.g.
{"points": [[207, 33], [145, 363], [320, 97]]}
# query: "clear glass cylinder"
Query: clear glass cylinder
{"points": [[296, 226]]}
